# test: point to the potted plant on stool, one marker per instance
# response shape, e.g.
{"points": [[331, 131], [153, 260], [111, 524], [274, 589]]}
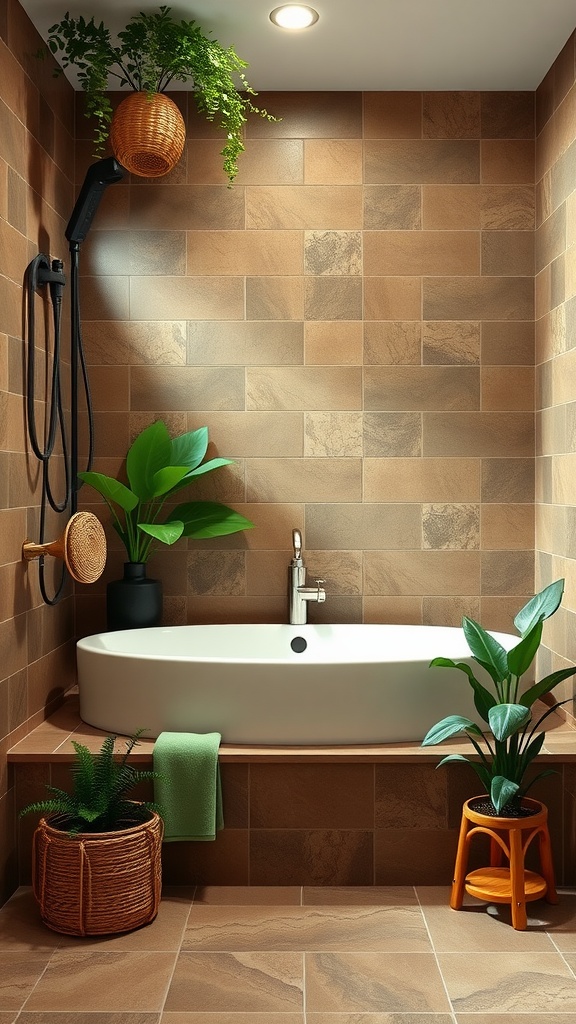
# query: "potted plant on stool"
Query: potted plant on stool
{"points": [[96, 860], [505, 751]]}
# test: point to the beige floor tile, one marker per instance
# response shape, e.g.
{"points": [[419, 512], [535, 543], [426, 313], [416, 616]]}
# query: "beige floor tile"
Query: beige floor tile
{"points": [[516, 1018], [164, 933], [97, 981], [306, 928], [508, 982], [370, 982], [380, 1018], [246, 895], [191, 1017], [359, 895], [242, 982], [19, 973], [87, 1018], [560, 921], [21, 926], [479, 927]]}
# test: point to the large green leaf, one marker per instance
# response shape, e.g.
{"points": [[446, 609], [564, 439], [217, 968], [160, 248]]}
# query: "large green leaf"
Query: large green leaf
{"points": [[521, 657], [506, 719], [483, 699], [494, 675], [545, 685], [502, 791], [209, 519], [166, 479], [168, 533], [480, 769], [539, 607], [111, 489], [206, 467], [189, 449], [449, 726], [443, 663], [485, 648], [453, 757], [149, 453]]}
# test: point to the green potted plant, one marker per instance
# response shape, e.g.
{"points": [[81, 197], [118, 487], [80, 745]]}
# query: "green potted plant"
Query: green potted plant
{"points": [[96, 865], [506, 749], [151, 52], [157, 467]]}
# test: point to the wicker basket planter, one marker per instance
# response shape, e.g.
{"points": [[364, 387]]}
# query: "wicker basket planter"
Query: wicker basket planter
{"points": [[147, 134], [97, 883]]}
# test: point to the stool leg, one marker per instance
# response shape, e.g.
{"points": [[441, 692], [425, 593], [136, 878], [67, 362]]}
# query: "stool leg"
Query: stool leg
{"points": [[546, 865], [518, 893], [457, 894], [496, 854]]}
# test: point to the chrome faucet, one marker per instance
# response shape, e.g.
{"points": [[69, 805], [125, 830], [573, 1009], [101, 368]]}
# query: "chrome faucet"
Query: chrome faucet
{"points": [[298, 593]]}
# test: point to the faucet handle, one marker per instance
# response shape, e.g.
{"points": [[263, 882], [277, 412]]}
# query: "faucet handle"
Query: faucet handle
{"points": [[297, 543]]}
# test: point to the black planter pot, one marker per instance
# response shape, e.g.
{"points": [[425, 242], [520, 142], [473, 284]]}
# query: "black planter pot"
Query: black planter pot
{"points": [[134, 601]]}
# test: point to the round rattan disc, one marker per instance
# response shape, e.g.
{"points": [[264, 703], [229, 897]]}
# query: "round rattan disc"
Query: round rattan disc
{"points": [[85, 547]]}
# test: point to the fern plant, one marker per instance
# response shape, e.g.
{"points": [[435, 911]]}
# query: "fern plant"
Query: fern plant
{"points": [[98, 801], [152, 51]]}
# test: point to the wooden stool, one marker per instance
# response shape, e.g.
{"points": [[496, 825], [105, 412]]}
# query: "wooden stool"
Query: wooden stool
{"points": [[513, 884]]}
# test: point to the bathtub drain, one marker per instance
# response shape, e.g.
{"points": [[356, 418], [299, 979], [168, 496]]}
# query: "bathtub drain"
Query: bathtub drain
{"points": [[298, 644]]}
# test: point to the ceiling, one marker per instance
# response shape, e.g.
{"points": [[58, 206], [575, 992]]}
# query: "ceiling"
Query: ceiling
{"points": [[369, 44]]}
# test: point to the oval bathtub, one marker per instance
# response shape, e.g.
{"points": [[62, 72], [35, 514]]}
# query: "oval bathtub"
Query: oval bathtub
{"points": [[255, 684]]}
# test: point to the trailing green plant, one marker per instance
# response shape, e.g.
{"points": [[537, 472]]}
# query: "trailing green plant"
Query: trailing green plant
{"points": [[513, 740], [100, 786], [152, 51], [157, 467]]}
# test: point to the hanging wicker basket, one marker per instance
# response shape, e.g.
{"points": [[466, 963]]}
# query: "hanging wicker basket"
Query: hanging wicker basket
{"points": [[97, 883], [147, 134]]}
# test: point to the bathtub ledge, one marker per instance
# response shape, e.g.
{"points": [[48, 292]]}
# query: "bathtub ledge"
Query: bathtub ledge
{"points": [[51, 742]]}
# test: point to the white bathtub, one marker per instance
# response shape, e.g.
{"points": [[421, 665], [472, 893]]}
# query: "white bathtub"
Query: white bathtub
{"points": [[352, 684]]}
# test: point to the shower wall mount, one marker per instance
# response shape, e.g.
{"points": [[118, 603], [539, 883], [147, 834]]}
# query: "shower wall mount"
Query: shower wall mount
{"points": [[82, 544], [82, 548]]}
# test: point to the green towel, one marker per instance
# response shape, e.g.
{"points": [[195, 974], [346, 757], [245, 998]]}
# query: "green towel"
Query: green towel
{"points": [[189, 792]]}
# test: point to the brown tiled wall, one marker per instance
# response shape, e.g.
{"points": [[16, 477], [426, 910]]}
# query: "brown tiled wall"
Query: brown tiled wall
{"points": [[354, 323], [36, 192], [330, 824], [555, 293]]}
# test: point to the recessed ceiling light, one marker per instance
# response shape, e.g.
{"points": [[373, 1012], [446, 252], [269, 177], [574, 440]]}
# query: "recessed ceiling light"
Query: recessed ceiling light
{"points": [[294, 16]]}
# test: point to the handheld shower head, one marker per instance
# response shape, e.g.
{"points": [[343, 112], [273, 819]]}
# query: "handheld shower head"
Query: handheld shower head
{"points": [[98, 176]]}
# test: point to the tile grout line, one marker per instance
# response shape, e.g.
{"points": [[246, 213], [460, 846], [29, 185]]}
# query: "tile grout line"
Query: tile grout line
{"points": [[561, 953], [176, 956], [434, 953], [39, 978], [304, 1009]]}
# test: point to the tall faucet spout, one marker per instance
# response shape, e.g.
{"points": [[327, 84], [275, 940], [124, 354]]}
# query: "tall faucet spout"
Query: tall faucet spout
{"points": [[298, 593]]}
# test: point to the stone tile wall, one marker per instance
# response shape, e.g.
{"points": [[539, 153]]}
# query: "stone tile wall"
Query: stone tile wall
{"points": [[353, 321], [555, 353], [332, 824], [36, 196]]}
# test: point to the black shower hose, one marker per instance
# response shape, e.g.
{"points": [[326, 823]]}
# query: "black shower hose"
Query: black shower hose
{"points": [[39, 273]]}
